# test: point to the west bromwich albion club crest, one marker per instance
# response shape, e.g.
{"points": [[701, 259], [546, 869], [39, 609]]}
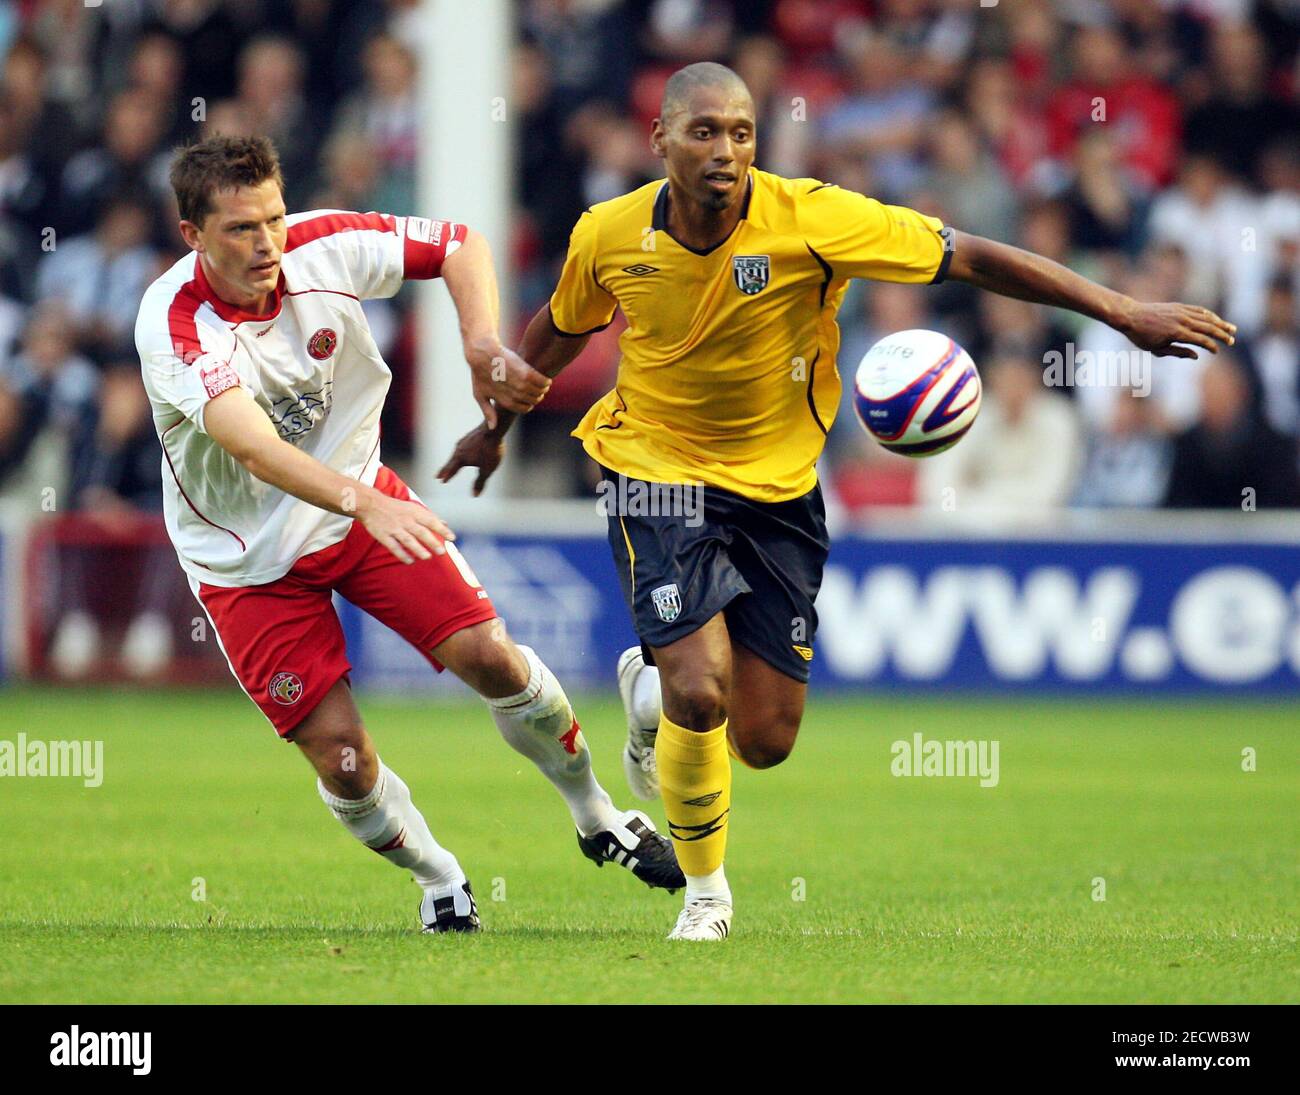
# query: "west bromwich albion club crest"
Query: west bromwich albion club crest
{"points": [[751, 272], [668, 602]]}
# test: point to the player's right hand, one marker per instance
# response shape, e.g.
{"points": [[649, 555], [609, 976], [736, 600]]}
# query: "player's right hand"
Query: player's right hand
{"points": [[480, 448], [501, 378], [407, 529]]}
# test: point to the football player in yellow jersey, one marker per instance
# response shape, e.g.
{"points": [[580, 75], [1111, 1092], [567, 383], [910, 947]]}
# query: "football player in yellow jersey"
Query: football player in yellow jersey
{"points": [[730, 278]]}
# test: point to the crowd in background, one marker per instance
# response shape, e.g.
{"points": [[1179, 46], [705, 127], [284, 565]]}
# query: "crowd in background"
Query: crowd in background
{"points": [[1154, 146]]}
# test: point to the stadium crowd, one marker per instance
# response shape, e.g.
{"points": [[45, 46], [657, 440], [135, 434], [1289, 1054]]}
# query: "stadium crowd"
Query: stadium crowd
{"points": [[1154, 146]]}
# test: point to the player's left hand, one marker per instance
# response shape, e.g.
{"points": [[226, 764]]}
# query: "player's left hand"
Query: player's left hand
{"points": [[501, 377], [480, 448], [1160, 328]]}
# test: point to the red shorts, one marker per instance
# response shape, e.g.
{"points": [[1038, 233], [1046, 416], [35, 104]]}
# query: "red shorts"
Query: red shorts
{"points": [[284, 641]]}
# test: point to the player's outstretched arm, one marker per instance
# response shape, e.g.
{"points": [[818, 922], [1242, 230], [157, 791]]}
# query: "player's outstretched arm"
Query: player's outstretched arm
{"points": [[500, 377], [236, 423], [482, 447], [1164, 329]]}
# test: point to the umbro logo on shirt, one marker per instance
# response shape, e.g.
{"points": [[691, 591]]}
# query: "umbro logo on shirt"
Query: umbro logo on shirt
{"points": [[640, 269]]}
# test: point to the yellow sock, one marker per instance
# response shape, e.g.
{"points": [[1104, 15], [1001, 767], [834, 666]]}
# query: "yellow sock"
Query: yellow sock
{"points": [[695, 782]]}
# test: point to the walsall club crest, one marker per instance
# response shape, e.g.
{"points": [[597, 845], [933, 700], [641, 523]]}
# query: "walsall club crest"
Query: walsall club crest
{"points": [[668, 602], [752, 273], [286, 688], [322, 344]]}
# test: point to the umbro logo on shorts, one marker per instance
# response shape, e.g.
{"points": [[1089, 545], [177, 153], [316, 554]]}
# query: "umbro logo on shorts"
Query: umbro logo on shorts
{"points": [[805, 652], [640, 269]]}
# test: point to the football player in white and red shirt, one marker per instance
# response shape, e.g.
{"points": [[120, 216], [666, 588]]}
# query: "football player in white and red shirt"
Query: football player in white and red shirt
{"points": [[267, 387]]}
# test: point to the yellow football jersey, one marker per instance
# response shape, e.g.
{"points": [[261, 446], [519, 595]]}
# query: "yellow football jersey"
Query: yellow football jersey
{"points": [[727, 375]]}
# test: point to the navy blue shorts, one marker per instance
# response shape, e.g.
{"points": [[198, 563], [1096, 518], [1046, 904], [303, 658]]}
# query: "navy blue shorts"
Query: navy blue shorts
{"points": [[759, 563]]}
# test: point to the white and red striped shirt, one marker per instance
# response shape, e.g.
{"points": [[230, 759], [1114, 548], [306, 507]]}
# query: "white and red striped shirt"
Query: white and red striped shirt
{"points": [[311, 365]]}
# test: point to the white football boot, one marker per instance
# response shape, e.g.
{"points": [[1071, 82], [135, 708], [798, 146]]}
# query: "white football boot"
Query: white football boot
{"points": [[704, 920], [639, 753]]}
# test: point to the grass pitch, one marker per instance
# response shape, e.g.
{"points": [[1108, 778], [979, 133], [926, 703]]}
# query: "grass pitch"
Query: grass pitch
{"points": [[852, 885]]}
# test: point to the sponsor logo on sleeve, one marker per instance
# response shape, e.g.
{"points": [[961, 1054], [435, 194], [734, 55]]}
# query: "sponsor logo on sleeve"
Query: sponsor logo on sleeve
{"points": [[220, 378], [424, 230]]}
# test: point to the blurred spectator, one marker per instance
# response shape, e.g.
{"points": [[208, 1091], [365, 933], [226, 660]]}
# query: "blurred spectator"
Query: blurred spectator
{"points": [[47, 396], [354, 178], [967, 179], [616, 155], [226, 117], [1231, 458], [270, 89], [682, 31], [12, 317], [1128, 459], [100, 278], [132, 158], [1240, 118], [546, 183], [882, 117], [25, 205], [1022, 456], [589, 44], [1220, 227], [1106, 91], [25, 79], [65, 31], [156, 68], [385, 113], [116, 476], [1014, 125], [1280, 216], [1277, 358], [116, 465], [1105, 204]]}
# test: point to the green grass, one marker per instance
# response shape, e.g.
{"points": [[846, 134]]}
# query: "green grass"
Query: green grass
{"points": [[917, 890]]}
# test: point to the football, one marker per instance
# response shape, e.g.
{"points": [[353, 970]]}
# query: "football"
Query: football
{"points": [[917, 392]]}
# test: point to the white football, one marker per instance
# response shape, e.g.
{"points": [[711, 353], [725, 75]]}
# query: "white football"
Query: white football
{"points": [[917, 392]]}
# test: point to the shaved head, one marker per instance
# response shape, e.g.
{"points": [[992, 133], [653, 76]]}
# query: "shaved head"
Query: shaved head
{"points": [[705, 136], [685, 82]]}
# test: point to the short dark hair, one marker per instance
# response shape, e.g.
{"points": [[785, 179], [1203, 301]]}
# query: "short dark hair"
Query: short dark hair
{"points": [[220, 163], [682, 83]]}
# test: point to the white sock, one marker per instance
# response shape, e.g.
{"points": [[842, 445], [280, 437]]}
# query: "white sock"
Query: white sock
{"points": [[713, 884], [386, 821], [647, 704], [539, 723]]}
